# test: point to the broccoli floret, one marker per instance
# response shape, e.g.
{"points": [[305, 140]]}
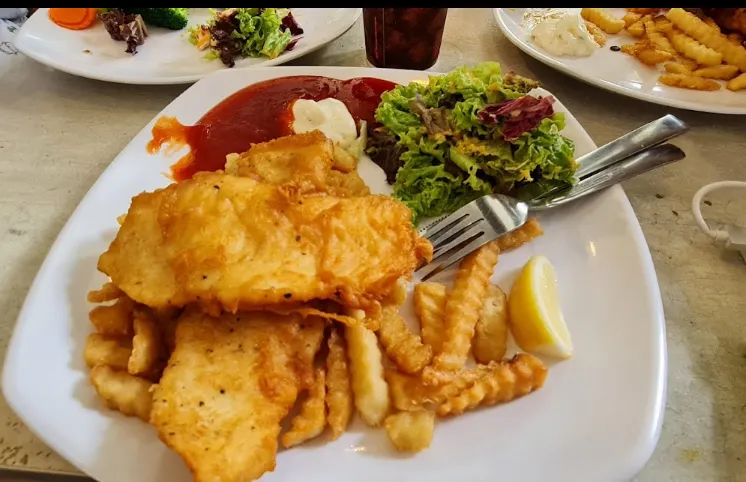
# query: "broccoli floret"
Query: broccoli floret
{"points": [[170, 18]]}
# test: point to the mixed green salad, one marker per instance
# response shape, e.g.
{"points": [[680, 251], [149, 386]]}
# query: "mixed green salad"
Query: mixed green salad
{"points": [[247, 32], [230, 33], [468, 133]]}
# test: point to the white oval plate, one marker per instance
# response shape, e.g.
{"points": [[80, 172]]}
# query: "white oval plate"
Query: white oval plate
{"points": [[618, 72], [597, 418], [166, 57]]}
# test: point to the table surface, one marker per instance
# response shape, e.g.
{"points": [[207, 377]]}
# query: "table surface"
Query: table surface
{"points": [[57, 137]]}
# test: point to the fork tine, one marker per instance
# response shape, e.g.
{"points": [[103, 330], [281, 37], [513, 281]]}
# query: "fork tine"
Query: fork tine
{"points": [[458, 238], [448, 258], [445, 225], [447, 243], [446, 229], [463, 231]]}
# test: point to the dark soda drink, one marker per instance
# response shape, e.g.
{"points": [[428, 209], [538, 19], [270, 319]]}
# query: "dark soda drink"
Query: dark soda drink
{"points": [[403, 38]]}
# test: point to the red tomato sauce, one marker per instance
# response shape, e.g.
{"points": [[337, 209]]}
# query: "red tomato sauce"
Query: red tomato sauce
{"points": [[258, 113]]}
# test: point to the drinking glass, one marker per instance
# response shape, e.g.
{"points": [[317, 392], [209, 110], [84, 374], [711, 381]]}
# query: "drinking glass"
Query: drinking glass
{"points": [[403, 38]]}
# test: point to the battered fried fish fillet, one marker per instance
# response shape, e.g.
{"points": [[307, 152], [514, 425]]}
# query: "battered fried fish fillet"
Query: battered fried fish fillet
{"points": [[304, 159], [230, 242], [229, 383]]}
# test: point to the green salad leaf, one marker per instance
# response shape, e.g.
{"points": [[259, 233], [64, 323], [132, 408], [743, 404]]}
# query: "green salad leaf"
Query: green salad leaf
{"points": [[247, 32], [261, 32], [427, 188], [470, 132]]}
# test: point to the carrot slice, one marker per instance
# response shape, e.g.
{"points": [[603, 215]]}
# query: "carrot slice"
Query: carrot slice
{"points": [[73, 18]]}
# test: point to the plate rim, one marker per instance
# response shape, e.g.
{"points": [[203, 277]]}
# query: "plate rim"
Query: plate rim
{"points": [[634, 460], [605, 84], [19, 42]]}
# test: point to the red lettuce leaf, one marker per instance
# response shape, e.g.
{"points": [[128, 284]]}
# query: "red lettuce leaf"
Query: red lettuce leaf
{"points": [[124, 27], [289, 22], [518, 116]]}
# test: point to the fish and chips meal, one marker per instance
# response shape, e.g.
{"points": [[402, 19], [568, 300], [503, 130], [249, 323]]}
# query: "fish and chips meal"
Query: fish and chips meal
{"points": [[251, 307], [693, 48]]}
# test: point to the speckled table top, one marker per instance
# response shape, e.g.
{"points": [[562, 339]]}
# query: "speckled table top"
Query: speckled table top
{"points": [[56, 138]]}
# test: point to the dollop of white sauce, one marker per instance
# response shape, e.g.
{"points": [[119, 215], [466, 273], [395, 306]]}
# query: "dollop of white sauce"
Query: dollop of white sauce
{"points": [[330, 116], [566, 35]]}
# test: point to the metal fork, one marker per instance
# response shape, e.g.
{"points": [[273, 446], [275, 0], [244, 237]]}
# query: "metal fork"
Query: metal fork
{"points": [[491, 216], [503, 212], [644, 137]]}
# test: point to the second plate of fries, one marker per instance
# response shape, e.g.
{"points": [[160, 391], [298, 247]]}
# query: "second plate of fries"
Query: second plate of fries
{"points": [[677, 57]]}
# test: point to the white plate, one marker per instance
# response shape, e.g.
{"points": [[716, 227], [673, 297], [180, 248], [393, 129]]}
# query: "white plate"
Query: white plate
{"points": [[597, 418], [166, 57], [618, 72]]}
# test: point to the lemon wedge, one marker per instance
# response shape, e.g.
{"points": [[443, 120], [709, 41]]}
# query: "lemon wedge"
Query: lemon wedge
{"points": [[536, 319]]}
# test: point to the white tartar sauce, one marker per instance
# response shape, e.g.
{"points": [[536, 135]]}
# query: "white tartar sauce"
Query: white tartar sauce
{"points": [[330, 116], [566, 35]]}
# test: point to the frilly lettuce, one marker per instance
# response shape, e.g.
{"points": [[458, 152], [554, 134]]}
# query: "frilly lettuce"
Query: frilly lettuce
{"points": [[439, 170], [427, 188]]}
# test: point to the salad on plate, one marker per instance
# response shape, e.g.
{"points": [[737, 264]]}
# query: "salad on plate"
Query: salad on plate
{"points": [[247, 32], [229, 33], [471, 132]]}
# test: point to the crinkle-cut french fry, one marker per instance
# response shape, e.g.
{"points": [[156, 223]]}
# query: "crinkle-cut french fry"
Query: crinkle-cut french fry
{"points": [[690, 64], [463, 307], [689, 82], [505, 381], [690, 48], [708, 36], [108, 292], [676, 68], [311, 420], [371, 392], [607, 22], [411, 431], [402, 346], [653, 56], [339, 402], [107, 350], [657, 38], [408, 392], [515, 239], [120, 391], [114, 320], [663, 24], [719, 72], [147, 346], [637, 29], [630, 18], [429, 306], [633, 49], [737, 83], [491, 333]]}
